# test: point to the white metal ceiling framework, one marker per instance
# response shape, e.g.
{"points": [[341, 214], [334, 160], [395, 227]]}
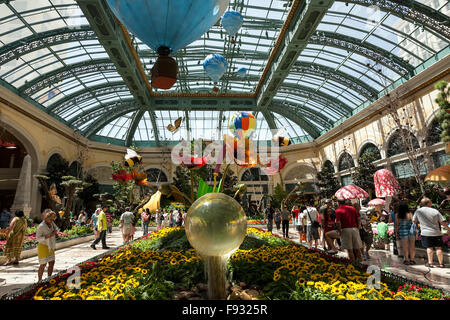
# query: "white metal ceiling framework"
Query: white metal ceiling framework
{"points": [[52, 55]]}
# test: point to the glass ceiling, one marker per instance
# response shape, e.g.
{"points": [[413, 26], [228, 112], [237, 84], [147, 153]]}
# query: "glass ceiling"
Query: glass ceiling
{"points": [[50, 54]]}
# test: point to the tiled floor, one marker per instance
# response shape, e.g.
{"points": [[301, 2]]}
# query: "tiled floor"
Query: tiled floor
{"points": [[437, 277], [17, 277]]}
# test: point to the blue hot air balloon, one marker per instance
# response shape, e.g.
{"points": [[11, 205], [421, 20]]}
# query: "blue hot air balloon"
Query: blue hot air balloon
{"points": [[167, 26], [241, 72], [215, 66], [232, 21]]}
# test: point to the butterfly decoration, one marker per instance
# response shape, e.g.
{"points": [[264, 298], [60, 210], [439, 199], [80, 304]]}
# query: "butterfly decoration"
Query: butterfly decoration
{"points": [[140, 178], [132, 158], [54, 194], [174, 127]]}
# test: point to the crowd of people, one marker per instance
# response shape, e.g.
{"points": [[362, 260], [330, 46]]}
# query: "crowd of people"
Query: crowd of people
{"points": [[101, 221], [335, 226], [343, 225]]}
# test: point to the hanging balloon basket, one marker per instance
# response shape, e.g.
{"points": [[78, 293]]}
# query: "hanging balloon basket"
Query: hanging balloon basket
{"points": [[165, 70], [215, 89], [233, 41]]}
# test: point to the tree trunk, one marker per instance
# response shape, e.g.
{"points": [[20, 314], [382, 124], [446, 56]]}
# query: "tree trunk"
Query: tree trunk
{"points": [[44, 186]]}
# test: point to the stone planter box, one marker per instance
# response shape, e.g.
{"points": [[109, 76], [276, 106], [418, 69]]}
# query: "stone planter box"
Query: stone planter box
{"points": [[59, 245]]}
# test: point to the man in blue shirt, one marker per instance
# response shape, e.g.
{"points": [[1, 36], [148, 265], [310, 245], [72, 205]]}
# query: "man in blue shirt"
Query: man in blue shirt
{"points": [[5, 217]]}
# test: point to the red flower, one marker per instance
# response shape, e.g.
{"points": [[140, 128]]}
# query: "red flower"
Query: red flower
{"points": [[121, 175]]}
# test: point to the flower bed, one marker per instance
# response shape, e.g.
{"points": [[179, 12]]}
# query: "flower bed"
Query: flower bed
{"points": [[162, 265], [30, 241], [255, 221]]}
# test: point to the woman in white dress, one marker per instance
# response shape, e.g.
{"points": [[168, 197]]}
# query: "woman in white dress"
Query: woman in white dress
{"points": [[46, 237]]}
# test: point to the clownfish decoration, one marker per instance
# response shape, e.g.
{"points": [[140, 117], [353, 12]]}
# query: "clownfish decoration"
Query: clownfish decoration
{"points": [[132, 158], [174, 127]]}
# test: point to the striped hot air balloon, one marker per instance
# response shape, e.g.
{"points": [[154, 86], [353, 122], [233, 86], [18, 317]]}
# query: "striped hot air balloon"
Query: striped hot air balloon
{"points": [[242, 124]]}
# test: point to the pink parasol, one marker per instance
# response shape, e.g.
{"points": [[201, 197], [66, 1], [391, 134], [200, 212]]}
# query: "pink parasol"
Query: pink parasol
{"points": [[376, 202], [351, 191], [385, 184]]}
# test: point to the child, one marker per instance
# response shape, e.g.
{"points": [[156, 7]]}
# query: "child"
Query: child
{"points": [[382, 229]]}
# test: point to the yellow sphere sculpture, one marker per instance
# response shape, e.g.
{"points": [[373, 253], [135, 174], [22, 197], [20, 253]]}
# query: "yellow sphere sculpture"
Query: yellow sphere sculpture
{"points": [[215, 225]]}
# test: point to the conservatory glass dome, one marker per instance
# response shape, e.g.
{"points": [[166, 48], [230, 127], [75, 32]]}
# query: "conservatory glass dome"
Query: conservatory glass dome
{"points": [[57, 55]]}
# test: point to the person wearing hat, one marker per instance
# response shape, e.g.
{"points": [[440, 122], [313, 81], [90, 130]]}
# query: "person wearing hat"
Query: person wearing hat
{"points": [[46, 237]]}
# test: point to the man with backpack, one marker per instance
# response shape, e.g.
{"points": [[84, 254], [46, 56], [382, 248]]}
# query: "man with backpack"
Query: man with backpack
{"points": [[312, 225]]}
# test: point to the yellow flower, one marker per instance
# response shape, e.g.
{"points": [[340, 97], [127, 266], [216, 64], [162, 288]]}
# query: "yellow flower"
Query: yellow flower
{"points": [[120, 295], [310, 283], [341, 297]]}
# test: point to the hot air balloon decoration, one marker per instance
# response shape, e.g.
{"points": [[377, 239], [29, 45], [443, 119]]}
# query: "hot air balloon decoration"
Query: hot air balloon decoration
{"points": [[241, 151], [215, 66], [166, 27], [242, 124], [241, 72], [232, 21]]}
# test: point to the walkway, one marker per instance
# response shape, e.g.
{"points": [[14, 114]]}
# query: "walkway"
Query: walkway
{"points": [[436, 277], [17, 277]]}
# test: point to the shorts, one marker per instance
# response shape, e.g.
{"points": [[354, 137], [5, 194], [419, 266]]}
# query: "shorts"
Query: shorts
{"points": [[44, 254], [409, 237], [366, 237], [351, 239], [127, 229], [333, 234], [432, 242], [312, 233]]}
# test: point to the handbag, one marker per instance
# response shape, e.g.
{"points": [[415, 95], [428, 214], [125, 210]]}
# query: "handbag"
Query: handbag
{"points": [[314, 223]]}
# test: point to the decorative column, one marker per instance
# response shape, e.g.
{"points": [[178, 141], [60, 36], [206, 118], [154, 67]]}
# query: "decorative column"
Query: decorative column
{"points": [[22, 199]]}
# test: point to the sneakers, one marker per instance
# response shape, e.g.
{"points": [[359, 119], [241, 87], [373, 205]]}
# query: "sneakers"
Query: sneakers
{"points": [[93, 246]]}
